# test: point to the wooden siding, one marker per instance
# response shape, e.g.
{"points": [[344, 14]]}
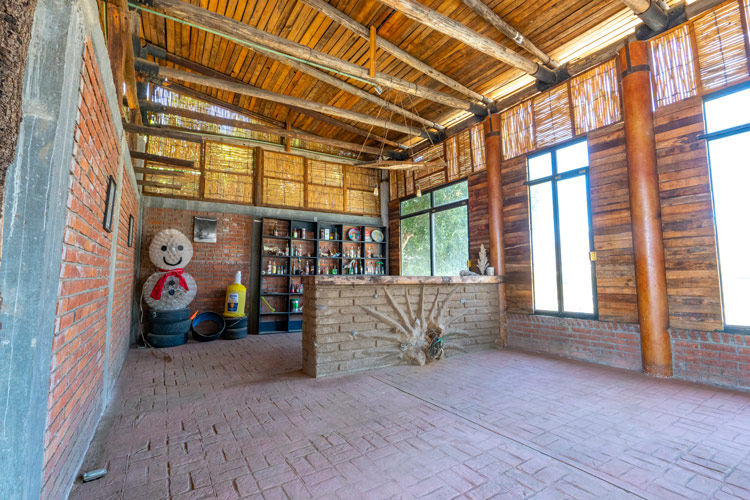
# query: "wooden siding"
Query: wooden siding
{"points": [[394, 237], [516, 235], [479, 229]]}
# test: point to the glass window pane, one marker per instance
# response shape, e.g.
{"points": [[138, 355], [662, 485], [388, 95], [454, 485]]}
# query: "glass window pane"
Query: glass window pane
{"points": [[451, 236], [728, 111], [572, 157], [730, 178], [543, 247], [451, 194], [415, 245], [416, 204], [540, 166], [578, 293]]}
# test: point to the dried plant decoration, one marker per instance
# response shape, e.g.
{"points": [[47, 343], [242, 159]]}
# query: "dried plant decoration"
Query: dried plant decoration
{"points": [[484, 262], [421, 337]]}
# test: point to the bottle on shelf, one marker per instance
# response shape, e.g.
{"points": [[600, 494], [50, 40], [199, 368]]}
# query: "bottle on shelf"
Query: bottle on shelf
{"points": [[275, 228], [268, 270]]}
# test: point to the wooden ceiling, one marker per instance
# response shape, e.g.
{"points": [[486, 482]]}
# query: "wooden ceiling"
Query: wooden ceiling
{"points": [[553, 25]]}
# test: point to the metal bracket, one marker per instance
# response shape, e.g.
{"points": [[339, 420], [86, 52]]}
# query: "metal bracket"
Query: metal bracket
{"points": [[675, 16]]}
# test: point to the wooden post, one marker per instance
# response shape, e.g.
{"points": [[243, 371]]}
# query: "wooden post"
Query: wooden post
{"points": [[287, 139], [492, 141], [202, 185], [648, 246], [373, 49], [258, 178]]}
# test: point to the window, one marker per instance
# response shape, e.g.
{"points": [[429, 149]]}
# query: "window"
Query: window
{"points": [[561, 237], [728, 133], [435, 232]]}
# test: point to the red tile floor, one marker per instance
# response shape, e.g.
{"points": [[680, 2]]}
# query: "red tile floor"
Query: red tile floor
{"points": [[238, 419]]}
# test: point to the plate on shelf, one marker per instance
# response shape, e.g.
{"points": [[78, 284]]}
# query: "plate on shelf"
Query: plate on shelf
{"points": [[377, 235], [354, 234]]}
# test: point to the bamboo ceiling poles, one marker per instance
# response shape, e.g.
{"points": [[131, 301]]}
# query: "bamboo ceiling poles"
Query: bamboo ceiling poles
{"points": [[650, 12], [506, 29], [447, 26], [643, 182], [395, 51], [260, 40]]}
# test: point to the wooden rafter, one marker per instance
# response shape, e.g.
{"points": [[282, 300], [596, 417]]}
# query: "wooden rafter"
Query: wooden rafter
{"points": [[164, 160], [403, 165]]}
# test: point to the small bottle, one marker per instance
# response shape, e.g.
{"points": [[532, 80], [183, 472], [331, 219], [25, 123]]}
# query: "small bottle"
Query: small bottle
{"points": [[276, 229], [268, 270]]}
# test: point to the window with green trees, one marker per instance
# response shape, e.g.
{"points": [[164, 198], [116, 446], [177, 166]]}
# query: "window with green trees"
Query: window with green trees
{"points": [[435, 232]]}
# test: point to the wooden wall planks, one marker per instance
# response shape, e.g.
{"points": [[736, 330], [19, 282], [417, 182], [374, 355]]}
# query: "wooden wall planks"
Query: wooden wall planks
{"points": [[394, 237], [479, 229]]}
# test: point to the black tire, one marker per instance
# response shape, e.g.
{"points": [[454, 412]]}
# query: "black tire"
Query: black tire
{"points": [[234, 333], [236, 322], [207, 317], [178, 328], [162, 341], [168, 316]]}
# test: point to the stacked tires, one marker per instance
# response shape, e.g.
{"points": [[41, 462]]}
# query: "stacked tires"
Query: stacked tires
{"points": [[236, 328], [168, 328]]}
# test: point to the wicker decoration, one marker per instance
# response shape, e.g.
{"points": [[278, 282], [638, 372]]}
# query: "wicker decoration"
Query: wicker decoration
{"points": [[170, 252]]}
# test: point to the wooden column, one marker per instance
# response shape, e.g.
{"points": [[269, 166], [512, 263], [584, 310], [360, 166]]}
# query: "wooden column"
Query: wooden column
{"points": [[493, 157], [648, 246]]}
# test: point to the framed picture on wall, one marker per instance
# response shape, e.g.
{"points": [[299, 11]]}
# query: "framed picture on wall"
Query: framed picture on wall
{"points": [[204, 230], [109, 208], [131, 229]]}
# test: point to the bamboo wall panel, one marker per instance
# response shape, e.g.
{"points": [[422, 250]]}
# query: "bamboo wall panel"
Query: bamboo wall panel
{"points": [[325, 186], [721, 47], [359, 197], [613, 236], [283, 180], [595, 96], [673, 66], [479, 228], [517, 125], [189, 182], [552, 120], [478, 148], [229, 172], [458, 155], [687, 217], [516, 235]]}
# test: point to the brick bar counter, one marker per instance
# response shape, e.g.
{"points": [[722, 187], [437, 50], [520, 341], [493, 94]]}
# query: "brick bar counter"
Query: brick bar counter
{"points": [[338, 330]]}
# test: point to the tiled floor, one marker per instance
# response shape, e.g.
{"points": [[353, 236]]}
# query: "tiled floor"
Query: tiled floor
{"points": [[238, 419]]}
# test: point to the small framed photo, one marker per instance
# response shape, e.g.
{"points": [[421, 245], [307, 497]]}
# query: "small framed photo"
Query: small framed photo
{"points": [[131, 230], [109, 208], [204, 230]]}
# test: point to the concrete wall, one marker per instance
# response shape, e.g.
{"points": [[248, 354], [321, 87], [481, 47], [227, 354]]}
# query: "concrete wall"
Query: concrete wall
{"points": [[61, 346]]}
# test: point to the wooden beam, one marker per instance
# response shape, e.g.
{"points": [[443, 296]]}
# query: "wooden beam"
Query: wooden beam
{"points": [[165, 160], [373, 51], [454, 29], [153, 171], [650, 12], [288, 132], [176, 187], [506, 29], [287, 139], [403, 165], [395, 50], [183, 134], [252, 91], [260, 40]]}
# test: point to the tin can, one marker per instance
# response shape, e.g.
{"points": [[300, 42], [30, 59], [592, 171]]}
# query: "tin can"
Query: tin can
{"points": [[295, 305]]}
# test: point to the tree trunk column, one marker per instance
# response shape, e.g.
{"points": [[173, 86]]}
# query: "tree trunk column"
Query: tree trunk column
{"points": [[493, 160], [648, 246]]}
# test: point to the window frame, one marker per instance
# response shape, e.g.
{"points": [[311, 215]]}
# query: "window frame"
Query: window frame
{"points": [[554, 178], [708, 137], [432, 211]]}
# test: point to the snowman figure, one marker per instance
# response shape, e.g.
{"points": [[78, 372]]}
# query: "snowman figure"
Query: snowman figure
{"points": [[170, 288]]}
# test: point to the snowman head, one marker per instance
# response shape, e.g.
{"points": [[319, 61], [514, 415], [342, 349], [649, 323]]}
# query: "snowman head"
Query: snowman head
{"points": [[170, 249]]}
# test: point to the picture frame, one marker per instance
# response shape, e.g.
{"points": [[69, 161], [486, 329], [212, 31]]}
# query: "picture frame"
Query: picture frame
{"points": [[131, 232], [109, 208], [204, 229]]}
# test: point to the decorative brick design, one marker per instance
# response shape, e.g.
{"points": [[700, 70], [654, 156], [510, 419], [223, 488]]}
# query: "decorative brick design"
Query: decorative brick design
{"points": [[607, 343], [711, 357], [214, 264], [77, 369], [334, 326]]}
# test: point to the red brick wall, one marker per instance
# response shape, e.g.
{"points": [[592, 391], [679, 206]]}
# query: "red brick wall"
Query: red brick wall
{"points": [[77, 368], [711, 357], [214, 264]]}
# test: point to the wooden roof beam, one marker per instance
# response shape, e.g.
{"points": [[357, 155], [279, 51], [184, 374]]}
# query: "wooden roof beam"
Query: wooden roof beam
{"points": [[260, 40], [322, 76], [395, 50], [656, 15], [454, 29], [252, 91], [506, 29]]}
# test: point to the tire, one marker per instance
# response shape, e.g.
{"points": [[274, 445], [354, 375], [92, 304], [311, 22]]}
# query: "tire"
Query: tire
{"points": [[161, 341], [234, 333], [178, 328], [210, 317], [236, 322], [168, 316]]}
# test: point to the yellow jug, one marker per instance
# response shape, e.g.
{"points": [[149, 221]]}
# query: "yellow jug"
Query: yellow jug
{"points": [[234, 305]]}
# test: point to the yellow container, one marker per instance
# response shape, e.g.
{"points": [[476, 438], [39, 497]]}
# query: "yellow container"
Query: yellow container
{"points": [[234, 305]]}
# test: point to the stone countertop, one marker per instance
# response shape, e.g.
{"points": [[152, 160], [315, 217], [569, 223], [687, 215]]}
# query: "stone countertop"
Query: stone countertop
{"points": [[396, 280]]}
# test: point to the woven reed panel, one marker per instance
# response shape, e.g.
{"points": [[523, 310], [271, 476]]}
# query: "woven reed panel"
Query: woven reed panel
{"points": [[189, 182], [325, 186], [552, 120], [229, 172], [673, 67], [360, 184], [427, 178], [596, 98], [517, 126], [721, 47], [478, 148], [458, 155], [283, 180]]}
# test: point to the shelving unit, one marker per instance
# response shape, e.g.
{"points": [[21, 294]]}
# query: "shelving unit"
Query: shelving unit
{"points": [[312, 253]]}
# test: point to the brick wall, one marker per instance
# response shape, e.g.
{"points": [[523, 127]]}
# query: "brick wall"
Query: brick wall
{"points": [[77, 368], [214, 264], [711, 357], [331, 313]]}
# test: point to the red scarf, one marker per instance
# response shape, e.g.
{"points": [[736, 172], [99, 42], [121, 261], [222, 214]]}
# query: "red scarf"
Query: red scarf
{"points": [[159, 287]]}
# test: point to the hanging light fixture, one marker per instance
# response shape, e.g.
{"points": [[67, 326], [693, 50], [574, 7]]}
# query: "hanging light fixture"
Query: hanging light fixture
{"points": [[375, 191], [419, 191]]}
